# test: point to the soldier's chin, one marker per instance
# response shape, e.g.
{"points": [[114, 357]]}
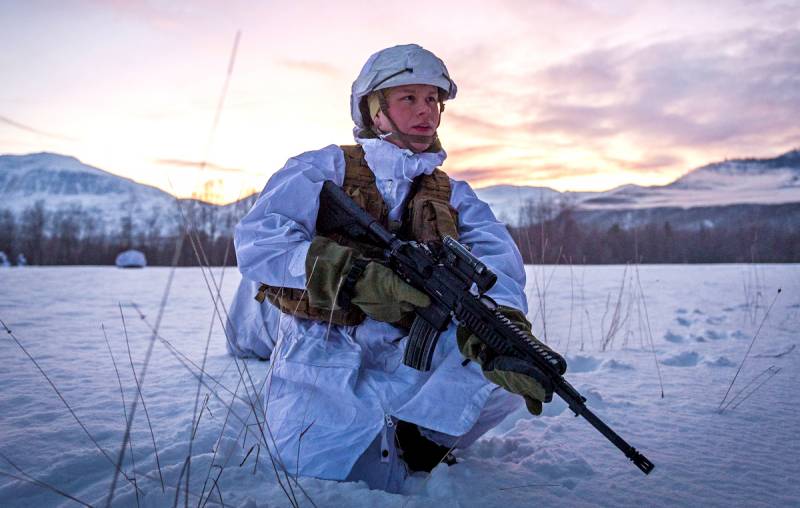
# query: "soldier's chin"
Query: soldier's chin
{"points": [[420, 147]]}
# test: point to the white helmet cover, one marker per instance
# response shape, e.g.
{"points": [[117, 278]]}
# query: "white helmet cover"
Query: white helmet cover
{"points": [[408, 64]]}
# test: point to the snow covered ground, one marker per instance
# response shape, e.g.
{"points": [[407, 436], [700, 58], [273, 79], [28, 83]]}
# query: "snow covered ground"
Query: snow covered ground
{"points": [[702, 320]]}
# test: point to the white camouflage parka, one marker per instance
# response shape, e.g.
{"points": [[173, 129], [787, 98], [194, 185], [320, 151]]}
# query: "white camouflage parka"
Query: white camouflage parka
{"points": [[342, 387]]}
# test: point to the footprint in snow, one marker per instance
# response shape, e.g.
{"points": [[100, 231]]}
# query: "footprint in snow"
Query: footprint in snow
{"points": [[683, 321], [616, 365], [715, 320], [720, 362], [685, 359], [673, 337], [716, 335]]}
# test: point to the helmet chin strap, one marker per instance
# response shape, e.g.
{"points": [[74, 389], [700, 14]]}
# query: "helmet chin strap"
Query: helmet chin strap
{"points": [[405, 138]]}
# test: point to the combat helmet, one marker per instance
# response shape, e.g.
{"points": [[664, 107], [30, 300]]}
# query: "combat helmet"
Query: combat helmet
{"points": [[408, 64]]}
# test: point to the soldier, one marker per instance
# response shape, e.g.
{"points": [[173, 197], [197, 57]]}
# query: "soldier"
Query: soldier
{"points": [[341, 405]]}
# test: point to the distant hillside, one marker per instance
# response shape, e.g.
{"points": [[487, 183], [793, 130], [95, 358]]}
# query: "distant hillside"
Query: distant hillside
{"points": [[55, 210], [712, 194], [66, 186]]}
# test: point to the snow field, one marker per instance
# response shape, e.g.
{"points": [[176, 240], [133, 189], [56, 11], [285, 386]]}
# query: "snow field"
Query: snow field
{"points": [[702, 320]]}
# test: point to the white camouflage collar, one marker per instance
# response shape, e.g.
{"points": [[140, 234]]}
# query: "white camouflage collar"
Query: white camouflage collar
{"points": [[390, 162]]}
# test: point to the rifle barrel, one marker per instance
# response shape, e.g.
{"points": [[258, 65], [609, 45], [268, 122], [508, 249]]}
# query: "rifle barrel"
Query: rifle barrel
{"points": [[580, 409]]}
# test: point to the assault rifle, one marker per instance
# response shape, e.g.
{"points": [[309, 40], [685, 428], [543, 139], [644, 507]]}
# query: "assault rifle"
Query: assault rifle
{"points": [[456, 282]]}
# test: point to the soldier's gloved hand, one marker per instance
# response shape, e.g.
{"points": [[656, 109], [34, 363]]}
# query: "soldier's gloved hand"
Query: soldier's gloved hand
{"points": [[378, 292], [384, 296], [513, 374]]}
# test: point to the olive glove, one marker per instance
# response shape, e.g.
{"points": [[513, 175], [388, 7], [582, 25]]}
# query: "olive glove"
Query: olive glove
{"points": [[513, 374], [378, 291]]}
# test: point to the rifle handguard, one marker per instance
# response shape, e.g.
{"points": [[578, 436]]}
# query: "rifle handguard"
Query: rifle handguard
{"points": [[553, 358]]}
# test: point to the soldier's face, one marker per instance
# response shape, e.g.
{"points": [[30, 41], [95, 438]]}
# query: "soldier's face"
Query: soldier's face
{"points": [[415, 110]]}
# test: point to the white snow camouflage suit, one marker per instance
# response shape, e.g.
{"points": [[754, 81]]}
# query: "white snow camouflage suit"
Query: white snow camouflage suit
{"points": [[343, 387]]}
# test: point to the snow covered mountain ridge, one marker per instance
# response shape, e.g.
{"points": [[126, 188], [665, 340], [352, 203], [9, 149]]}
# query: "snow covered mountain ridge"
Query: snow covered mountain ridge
{"points": [[51, 174], [65, 184], [741, 181], [769, 181]]}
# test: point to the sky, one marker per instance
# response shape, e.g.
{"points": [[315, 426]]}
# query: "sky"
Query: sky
{"points": [[574, 94]]}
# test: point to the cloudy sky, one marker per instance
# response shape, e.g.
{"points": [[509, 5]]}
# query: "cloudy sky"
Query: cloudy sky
{"points": [[571, 94]]}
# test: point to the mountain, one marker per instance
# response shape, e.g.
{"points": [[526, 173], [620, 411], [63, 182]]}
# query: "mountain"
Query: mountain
{"points": [[509, 201], [720, 193], [66, 186], [742, 181], [714, 194]]}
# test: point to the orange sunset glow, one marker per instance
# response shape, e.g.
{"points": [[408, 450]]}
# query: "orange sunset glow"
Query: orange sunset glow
{"points": [[578, 95]]}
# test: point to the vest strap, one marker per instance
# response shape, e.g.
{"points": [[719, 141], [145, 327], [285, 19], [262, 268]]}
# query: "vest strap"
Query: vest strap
{"points": [[348, 286]]}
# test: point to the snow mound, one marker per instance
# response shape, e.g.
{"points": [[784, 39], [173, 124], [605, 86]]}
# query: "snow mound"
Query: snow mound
{"points": [[557, 463], [582, 364], [593, 397], [511, 447], [131, 259], [441, 484]]}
